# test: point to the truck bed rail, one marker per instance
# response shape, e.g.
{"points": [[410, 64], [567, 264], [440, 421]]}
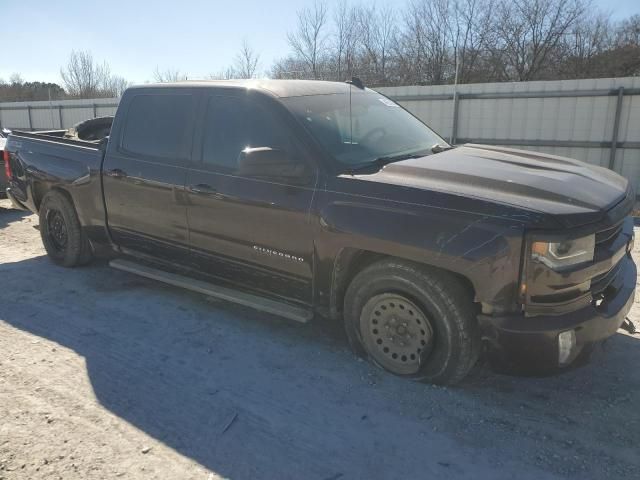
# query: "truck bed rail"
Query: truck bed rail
{"points": [[52, 138]]}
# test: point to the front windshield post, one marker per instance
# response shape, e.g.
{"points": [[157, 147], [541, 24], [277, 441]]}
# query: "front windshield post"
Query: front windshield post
{"points": [[350, 120]]}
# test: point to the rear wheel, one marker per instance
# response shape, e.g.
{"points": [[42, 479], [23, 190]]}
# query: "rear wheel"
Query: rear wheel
{"points": [[413, 321], [63, 238]]}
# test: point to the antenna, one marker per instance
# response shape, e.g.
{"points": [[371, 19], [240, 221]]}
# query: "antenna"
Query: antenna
{"points": [[455, 95], [350, 120]]}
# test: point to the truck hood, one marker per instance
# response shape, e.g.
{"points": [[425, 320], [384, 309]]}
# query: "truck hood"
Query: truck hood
{"points": [[575, 192]]}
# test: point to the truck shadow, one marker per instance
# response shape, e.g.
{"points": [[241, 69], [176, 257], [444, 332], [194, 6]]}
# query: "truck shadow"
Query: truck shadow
{"points": [[250, 397], [10, 215]]}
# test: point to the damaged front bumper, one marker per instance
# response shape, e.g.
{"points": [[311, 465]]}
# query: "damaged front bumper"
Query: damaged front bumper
{"points": [[548, 343]]}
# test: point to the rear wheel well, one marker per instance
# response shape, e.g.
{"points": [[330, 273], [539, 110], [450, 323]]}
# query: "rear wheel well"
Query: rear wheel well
{"points": [[40, 190], [62, 235], [351, 261]]}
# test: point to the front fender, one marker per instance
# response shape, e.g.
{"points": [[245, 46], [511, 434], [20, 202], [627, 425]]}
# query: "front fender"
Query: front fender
{"points": [[484, 249]]}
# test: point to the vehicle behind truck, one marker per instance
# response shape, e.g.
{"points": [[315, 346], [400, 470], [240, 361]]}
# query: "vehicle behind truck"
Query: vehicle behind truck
{"points": [[321, 199], [3, 173]]}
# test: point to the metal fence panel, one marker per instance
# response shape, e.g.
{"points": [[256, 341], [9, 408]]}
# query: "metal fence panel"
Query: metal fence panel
{"points": [[573, 118], [47, 115]]}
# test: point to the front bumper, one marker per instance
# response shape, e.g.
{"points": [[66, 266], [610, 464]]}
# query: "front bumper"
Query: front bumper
{"points": [[530, 344]]}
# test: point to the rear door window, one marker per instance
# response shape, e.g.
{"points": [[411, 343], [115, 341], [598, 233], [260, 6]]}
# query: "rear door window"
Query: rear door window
{"points": [[226, 132], [159, 126]]}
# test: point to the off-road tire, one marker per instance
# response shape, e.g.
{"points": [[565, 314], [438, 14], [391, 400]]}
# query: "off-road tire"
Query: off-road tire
{"points": [[76, 249], [443, 299]]}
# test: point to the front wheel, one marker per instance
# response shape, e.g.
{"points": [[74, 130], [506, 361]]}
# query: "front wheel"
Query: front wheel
{"points": [[63, 238], [413, 321]]}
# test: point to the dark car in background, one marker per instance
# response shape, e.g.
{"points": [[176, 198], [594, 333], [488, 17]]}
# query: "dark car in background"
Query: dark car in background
{"points": [[3, 173]]}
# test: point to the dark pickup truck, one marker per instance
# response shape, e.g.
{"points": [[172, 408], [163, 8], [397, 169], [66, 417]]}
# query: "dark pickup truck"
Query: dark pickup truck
{"points": [[305, 198]]}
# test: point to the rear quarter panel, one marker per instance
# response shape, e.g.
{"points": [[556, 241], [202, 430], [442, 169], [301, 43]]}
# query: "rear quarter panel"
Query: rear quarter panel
{"points": [[44, 164]]}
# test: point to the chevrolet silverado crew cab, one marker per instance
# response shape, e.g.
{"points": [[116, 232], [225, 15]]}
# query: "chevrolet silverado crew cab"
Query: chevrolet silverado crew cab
{"points": [[303, 198]]}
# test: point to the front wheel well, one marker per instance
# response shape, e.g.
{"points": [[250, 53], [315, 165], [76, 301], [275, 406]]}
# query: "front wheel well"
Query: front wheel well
{"points": [[352, 261]]}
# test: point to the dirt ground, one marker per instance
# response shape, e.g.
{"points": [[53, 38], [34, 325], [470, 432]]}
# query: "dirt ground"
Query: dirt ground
{"points": [[107, 375]]}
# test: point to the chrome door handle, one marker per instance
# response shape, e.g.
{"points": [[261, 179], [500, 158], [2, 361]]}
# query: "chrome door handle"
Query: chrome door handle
{"points": [[116, 173], [202, 189]]}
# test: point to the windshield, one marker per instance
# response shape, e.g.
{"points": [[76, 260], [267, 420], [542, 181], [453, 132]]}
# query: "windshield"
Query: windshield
{"points": [[362, 129]]}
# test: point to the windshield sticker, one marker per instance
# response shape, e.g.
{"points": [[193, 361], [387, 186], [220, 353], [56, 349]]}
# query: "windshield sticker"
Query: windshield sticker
{"points": [[388, 102]]}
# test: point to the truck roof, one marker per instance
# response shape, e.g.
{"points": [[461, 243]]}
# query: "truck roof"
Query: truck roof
{"points": [[278, 88]]}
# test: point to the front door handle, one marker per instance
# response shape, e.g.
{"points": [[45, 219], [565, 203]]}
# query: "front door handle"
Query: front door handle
{"points": [[202, 189], [116, 173]]}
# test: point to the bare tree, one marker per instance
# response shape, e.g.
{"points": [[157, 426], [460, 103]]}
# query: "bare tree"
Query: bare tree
{"points": [[308, 40], [378, 35], [20, 91], [529, 31], [425, 52], [291, 67], [425, 42], [168, 75], [83, 77], [473, 33], [579, 52], [246, 62], [228, 73], [16, 79], [115, 86], [622, 58], [628, 31], [428, 41], [347, 37]]}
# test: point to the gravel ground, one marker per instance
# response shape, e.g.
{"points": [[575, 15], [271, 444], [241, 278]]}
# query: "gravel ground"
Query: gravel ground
{"points": [[107, 375]]}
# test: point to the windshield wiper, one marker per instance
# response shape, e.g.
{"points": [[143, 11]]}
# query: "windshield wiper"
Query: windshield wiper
{"points": [[380, 162]]}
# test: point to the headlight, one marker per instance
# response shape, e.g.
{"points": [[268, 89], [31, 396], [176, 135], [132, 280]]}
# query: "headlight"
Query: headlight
{"points": [[557, 255]]}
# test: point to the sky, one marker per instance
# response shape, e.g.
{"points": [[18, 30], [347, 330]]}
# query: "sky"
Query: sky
{"points": [[137, 36]]}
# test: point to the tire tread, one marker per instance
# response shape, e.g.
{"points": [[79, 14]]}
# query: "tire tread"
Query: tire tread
{"points": [[450, 291], [79, 250]]}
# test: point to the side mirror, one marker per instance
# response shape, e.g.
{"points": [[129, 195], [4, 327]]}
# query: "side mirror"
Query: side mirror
{"points": [[270, 163]]}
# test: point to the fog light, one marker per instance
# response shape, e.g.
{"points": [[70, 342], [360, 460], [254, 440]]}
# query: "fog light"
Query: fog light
{"points": [[566, 343]]}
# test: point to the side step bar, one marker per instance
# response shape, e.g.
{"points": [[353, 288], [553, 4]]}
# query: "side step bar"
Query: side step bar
{"points": [[247, 299]]}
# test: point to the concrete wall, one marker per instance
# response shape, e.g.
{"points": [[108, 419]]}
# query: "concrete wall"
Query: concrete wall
{"points": [[574, 118]]}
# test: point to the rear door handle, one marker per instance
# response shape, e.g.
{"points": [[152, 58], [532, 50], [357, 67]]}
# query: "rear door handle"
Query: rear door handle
{"points": [[116, 173]]}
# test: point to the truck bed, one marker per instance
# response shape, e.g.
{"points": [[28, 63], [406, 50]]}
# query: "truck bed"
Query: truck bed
{"points": [[46, 161]]}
